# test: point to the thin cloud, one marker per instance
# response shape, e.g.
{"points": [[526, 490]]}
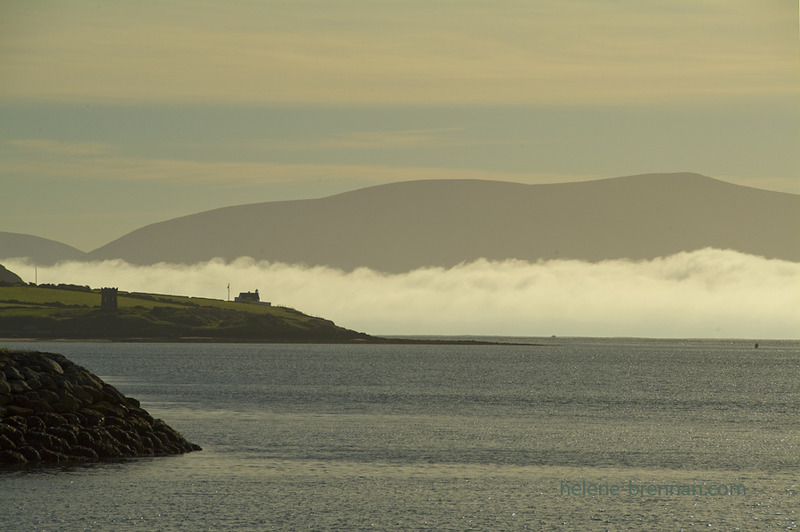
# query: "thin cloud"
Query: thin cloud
{"points": [[47, 147], [82, 162], [706, 293], [410, 52], [377, 140]]}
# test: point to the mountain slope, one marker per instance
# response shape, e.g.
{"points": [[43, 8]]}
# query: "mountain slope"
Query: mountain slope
{"points": [[401, 226], [38, 250], [8, 277]]}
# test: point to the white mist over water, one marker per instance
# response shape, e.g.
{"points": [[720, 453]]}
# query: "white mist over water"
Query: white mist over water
{"points": [[708, 293]]}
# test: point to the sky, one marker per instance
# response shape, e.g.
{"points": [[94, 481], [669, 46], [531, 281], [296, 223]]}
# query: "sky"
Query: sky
{"points": [[115, 115]]}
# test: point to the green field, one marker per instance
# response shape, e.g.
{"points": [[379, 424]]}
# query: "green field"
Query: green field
{"points": [[74, 313]]}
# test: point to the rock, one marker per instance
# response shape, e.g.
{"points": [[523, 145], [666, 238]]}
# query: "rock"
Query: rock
{"points": [[39, 406], [52, 365], [86, 394], [13, 435], [54, 420], [48, 396], [54, 411], [17, 422], [31, 455], [5, 443], [65, 404], [48, 456], [11, 457], [85, 439], [34, 423], [65, 434], [14, 411], [18, 386], [81, 452], [12, 373]]}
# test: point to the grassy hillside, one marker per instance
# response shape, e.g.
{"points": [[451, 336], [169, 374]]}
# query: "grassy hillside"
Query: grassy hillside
{"points": [[74, 312]]}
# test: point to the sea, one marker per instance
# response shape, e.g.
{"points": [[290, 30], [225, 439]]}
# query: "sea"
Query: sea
{"points": [[535, 434]]}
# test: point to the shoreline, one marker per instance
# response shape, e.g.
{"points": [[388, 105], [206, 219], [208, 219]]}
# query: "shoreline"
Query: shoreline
{"points": [[210, 340]]}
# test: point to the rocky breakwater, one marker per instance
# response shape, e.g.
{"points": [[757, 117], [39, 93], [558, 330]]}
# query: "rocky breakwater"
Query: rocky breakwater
{"points": [[53, 410]]}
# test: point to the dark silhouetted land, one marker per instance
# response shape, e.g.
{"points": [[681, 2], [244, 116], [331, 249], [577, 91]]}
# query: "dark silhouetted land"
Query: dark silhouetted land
{"points": [[70, 312], [73, 312], [8, 277]]}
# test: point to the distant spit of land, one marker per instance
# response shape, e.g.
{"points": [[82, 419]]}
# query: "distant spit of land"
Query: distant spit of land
{"points": [[74, 312], [71, 312]]}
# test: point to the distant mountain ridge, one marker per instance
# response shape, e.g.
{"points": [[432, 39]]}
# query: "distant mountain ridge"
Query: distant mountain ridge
{"points": [[402, 226], [38, 250]]}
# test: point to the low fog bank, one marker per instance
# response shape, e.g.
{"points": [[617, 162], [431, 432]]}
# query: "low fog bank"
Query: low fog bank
{"points": [[708, 293]]}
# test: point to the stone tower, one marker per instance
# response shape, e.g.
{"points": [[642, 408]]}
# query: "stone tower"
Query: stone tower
{"points": [[108, 298]]}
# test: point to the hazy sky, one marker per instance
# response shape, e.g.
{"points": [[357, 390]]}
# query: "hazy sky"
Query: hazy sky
{"points": [[118, 114]]}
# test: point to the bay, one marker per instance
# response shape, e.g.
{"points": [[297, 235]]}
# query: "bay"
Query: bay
{"points": [[439, 437]]}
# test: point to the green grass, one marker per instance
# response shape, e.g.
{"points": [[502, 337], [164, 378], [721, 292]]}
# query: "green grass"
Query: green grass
{"points": [[53, 297], [36, 295], [72, 313]]}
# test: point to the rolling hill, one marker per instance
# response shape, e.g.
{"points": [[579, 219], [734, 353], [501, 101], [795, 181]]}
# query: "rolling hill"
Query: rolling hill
{"points": [[8, 277], [39, 250], [73, 312], [402, 226]]}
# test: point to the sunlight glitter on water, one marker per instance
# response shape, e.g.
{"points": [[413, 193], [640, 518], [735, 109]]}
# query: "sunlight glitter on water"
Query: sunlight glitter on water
{"points": [[439, 438]]}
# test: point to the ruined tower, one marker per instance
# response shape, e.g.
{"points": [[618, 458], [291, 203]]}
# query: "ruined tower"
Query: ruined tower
{"points": [[108, 298]]}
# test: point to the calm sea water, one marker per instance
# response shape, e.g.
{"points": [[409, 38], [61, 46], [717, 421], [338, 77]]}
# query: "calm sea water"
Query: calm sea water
{"points": [[357, 437]]}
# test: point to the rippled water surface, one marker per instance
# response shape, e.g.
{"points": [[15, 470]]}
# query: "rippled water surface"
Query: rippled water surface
{"points": [[440, 437]]}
